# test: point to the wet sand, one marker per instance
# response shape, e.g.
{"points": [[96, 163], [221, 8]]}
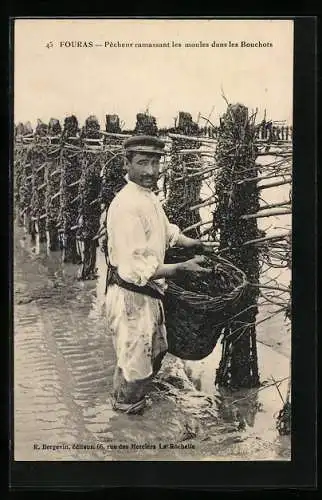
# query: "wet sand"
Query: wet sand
{"points": [[63, 366]]}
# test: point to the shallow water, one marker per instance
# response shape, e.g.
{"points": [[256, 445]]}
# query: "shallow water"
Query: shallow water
{"points": [[63, 368]]}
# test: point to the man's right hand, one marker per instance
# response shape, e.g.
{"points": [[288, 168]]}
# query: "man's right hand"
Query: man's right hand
{"points": [[195, 265]]}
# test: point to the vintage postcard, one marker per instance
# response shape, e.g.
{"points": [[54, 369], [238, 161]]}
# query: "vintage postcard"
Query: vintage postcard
{"points": [[152, 239]]}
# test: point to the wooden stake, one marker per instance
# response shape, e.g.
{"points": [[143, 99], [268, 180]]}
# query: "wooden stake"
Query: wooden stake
{"points": [[194, 151], [201, 204], [41, 167], [274, 184], [75, 199], [269, 213], [198, 224], [42, 186], [90, 141], [274, 205], [112, 134], [260, 178], [58, 171], [268, 238], [55, 195], [74, 183], [285, 154], [196, 174], [280, 288], [192, 138]]}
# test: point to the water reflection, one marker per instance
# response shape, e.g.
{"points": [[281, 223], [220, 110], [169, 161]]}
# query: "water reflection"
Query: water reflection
{"points": [[240, 408]]}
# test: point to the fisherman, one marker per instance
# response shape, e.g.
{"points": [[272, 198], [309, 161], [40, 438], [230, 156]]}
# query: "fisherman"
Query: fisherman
{"points": [[138, 235]]}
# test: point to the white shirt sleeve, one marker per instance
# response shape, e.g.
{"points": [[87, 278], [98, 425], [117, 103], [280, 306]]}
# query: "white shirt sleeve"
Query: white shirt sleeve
{"points": [[173, 231], [136, 262]]}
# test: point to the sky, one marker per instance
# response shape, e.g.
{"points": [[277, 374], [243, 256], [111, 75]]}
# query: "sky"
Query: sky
{"points": [[58, 81]]}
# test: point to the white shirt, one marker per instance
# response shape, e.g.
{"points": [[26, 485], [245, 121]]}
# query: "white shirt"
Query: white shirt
{"points": [[139, 233]]}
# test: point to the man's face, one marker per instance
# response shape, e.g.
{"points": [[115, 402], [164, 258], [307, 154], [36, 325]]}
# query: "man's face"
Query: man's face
{"points": [[144, 169]]}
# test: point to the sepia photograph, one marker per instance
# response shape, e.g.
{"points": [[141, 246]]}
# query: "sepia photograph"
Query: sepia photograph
{"points": [[152, 239]]}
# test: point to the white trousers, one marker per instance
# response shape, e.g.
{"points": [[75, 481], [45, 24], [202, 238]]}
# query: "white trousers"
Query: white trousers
{"points": [[137, 325]]}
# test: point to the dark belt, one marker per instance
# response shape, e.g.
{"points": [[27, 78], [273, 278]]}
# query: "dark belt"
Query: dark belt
{"points": [[113, 278]]}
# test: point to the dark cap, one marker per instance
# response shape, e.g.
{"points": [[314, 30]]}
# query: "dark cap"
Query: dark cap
{"points": [[144, 144]]}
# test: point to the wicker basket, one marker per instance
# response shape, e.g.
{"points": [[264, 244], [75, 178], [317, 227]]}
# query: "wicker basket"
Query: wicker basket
{"points": [[195, 319]]}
